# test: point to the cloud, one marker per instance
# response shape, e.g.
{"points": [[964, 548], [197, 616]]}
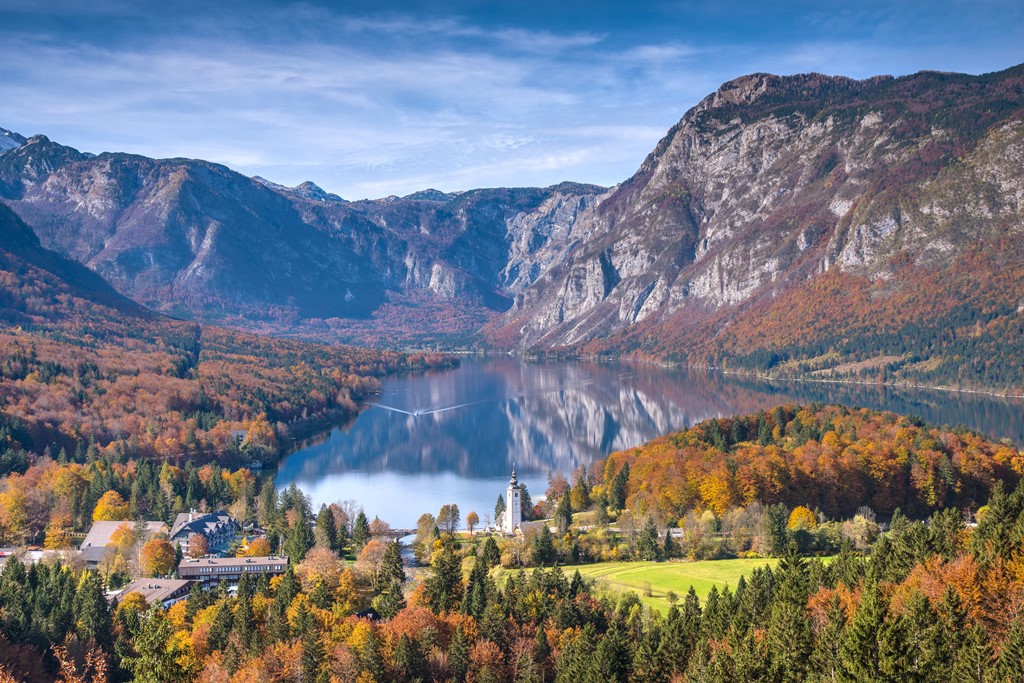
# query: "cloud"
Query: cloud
{"points": [[373, 104]]}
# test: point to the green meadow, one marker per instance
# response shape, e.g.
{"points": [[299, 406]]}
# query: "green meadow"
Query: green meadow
{"points": [[665, 577]]}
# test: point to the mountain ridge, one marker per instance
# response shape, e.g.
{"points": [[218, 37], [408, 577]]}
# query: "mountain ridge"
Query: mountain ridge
{"points": [[858, 200]]}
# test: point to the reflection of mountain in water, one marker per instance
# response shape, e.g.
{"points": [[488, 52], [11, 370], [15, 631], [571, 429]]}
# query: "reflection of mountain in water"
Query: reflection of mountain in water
{"points": [[479, 420]]}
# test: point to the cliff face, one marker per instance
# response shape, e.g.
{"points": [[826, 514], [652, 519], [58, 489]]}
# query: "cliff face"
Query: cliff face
{"points": [[772, 186]]}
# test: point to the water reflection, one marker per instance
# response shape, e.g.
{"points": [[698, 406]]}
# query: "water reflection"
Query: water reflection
{"points": [[453, 436]]}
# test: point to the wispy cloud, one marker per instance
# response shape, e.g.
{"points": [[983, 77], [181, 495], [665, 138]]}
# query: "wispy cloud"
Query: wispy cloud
{"points": [[369, 104]]}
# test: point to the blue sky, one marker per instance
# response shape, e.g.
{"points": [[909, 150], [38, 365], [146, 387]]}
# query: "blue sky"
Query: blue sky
{"points": [[375, 98]]}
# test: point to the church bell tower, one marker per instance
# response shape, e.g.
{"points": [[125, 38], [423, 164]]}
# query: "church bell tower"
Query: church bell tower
{"points": [[513, 505]]}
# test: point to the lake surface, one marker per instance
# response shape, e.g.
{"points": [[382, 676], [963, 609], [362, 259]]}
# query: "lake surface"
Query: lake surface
{"points": [[454, 436]]}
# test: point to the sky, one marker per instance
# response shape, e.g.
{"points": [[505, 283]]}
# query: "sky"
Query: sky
{"points": [[374, 98]]}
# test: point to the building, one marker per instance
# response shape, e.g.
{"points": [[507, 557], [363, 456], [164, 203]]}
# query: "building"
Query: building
{"points": [[513, 516], [99, 541], [165, 591], [219, 528], [214, 570]]}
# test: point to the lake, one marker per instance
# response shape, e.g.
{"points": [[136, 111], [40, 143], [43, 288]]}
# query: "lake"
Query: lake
{"points": [[454, 436]]}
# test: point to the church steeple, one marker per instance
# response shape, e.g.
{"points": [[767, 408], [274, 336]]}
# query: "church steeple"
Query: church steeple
{"points": [[513, 516]]}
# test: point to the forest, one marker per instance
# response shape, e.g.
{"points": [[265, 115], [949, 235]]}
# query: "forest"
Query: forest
{"points": [[934, 592]]}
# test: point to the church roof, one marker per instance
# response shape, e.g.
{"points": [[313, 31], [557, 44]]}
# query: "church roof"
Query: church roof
{"points": [[513, 482]]}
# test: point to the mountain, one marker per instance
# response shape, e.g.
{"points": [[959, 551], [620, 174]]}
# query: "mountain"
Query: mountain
{"points": [[810, 224], [802, 224], [196, 239], [10, 140]]}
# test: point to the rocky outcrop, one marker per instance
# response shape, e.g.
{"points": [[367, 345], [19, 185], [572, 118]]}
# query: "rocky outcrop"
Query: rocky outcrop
{"points": [[772, 181]]}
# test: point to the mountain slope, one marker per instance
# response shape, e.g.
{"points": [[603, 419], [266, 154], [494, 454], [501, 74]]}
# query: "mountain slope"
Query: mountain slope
{"points": [[804, 222], [197, 239]]}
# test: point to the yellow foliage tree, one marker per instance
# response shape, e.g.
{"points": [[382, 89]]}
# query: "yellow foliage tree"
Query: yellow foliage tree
{"points": [[111, 507], [801, 518], [157, 557]]}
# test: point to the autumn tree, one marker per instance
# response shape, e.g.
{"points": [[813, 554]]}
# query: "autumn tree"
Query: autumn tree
{"points": [[198, 546], [110, 507], [157, 557], [472, 519], [448, 518]]}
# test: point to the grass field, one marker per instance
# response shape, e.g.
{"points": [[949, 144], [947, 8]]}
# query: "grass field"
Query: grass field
{"points": [[669, 576]]}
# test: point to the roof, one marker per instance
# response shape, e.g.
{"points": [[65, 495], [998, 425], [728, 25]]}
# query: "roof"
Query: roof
{"points": [[94, 545], [101, 532], [155, 590], [199, 524]]}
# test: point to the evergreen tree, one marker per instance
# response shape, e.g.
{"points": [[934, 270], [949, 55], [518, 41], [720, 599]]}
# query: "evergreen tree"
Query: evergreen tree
{"points": [[458, 655], [670, 548], [1011, 659], [92, 611], [647, 541], [825, 660], [392, 599], [619, 488], [563, 515], [499, 510], [312, 648], [360, 532], [612, 661], [326, 532], [443, 589], [973, 662], [543, 547], [860, 652], [157, 659], [410, 660], [491, 553], [298, 540], [789, 636]]}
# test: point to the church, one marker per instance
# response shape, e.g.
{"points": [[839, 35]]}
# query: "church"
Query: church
{"points": [[513, 515]]}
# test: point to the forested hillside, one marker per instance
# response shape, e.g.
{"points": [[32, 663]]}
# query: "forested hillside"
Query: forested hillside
{"points": [[83, 366]]}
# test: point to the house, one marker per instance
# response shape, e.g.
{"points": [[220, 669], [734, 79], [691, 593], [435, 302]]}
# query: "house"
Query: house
{"points": [[94, 546], [214, 570], [219, 528], [165, 591]]}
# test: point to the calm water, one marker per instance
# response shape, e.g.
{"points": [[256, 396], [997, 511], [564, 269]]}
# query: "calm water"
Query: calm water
{"points": [[453, 437]]}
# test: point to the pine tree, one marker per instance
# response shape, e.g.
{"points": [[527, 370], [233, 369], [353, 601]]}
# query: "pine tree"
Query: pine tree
{"points": [[789, 635], [670, 548], [298, 540], [543, 548], [491, 553], [326, 532], [974, 660], [499, 510], [1011, 659], [859, 652], [612, 661], [443, 589], [825, 660], [410, 660], [647, 541], [563, 515], [458, 655], [92, 611], [360, 532]]}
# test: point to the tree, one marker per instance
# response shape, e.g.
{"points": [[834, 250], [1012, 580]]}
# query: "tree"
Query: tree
{"points": [[198, 546], [448, 518], [619, 488], [360, 532], [298, 539], [443, 589], [647, 547], [499, 510], [426, 534], [157, 557], [543, 547], [458, 654], [472, 519], [258, 547], [326, 532], [111, 507], [159, 656], [563, 515], [92, 611]]}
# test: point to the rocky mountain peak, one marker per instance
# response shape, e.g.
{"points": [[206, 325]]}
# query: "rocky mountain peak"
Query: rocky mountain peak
{"points": [[10, 140]]}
